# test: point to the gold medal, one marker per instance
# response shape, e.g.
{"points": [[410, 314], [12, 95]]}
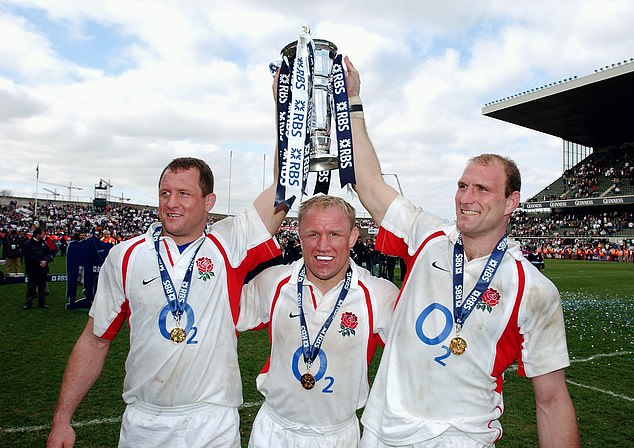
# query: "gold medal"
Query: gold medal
{"points": [[457, 345], [177, 335], [308, 381]]}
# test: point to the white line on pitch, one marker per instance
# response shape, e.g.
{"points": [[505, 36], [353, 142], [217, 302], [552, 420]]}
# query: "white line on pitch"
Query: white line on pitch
{"points": [[96, 421], [596, 389], [251, 404], [602, 355], [590, 358]]}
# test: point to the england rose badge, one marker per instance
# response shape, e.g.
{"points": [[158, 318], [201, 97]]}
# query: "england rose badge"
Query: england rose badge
{"points": [[490, 298], [205, 268], [348, 323]]}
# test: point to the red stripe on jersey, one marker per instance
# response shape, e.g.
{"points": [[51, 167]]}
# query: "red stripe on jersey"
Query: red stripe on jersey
{"points": [[231, 279], [373, 338], [388, 243], [267, 364], [124, 312], [262, 326], [499, 431], [509, 346], [312, 296], [118, 321], [169, 254], [396, 246], [235, 276]]}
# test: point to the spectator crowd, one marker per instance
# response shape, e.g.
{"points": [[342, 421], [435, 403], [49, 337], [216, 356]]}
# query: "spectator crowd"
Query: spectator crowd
{"points": [[609, 173], [590, 236], [588, 225], [75, 221], [602, 236]]}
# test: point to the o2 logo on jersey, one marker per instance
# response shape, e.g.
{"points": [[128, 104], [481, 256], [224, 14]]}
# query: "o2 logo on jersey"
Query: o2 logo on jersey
{"points": [[189, 326], [435, 339], [323, 365]]}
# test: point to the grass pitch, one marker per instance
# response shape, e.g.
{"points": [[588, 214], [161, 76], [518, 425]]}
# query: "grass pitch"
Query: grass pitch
{"points": [[598, 300]]}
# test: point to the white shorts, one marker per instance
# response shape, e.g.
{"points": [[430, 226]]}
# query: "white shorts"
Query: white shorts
{"points": [[196, 426], [272, 430], [448, 439]]}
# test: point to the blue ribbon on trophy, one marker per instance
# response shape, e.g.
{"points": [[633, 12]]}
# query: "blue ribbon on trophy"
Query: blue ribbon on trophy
{"points": [[311, 85], [283, 99]]}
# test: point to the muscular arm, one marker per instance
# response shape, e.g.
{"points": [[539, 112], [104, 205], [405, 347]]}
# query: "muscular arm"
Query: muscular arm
{"points": [[271, 216], [84, 367], [556, 418], [375, 194]]}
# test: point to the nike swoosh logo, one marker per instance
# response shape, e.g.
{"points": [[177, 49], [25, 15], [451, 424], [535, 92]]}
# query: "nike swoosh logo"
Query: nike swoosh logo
{"points": [[145, 282], [438, 267], [292, 316]]}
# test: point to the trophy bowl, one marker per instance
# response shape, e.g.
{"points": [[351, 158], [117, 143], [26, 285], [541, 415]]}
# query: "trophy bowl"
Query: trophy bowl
{"points": [[321, 103]]}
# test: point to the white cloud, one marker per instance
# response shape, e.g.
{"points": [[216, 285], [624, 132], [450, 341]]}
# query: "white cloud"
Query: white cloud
{"points": [[191, 78]]}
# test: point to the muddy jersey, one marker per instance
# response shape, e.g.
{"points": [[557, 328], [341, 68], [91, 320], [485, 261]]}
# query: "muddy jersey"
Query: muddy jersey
{"points": [[204, 367], [422, 389], [341, 368]]}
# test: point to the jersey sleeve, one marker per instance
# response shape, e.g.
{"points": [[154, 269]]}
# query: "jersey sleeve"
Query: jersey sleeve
{"points": [[385, 293], [245, 234], [404, 227], [541, 323], [109, 305], [256, 300]]}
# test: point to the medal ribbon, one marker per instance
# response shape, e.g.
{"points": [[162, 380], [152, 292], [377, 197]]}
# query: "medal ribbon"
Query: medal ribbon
{"points": [[462, 308], [176, 303], [312, 350]]}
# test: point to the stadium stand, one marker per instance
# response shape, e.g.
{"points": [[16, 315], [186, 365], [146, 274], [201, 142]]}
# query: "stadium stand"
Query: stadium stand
{"points": [[608, 173], [588, 212]]}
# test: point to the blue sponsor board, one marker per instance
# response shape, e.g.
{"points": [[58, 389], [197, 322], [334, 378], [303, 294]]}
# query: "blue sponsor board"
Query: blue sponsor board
{"points": [[21, 278]]}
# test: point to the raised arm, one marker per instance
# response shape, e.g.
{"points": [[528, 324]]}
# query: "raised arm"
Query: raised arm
{"points": [[556, 418], [375, 194], [271, 216], [84, 367]]}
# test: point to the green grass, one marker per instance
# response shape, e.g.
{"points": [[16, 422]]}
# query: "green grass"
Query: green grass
{"points": [[598, 302]]}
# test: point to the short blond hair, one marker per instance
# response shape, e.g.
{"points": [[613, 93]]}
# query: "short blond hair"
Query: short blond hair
{"points": [[324, 202]]}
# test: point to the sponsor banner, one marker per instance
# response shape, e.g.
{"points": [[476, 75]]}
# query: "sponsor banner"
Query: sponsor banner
{"points": [[342, 119], [585, 202], [12, 279]]}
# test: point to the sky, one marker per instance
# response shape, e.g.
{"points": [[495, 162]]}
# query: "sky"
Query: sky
{"points": [[114, 90]]}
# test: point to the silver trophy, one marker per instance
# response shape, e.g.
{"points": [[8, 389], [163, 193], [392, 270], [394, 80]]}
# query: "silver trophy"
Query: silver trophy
{"points": [[321, 103]]}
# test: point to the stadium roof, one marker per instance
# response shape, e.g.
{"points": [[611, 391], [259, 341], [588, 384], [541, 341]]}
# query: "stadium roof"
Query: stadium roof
{"points": [[593, 110]]}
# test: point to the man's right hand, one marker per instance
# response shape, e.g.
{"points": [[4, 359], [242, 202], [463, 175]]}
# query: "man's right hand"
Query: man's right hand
{"points": [[61, 436], [353, 79]]}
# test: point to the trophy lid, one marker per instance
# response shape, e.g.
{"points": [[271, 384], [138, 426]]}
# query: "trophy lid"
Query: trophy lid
{"points": [[320, 44]]}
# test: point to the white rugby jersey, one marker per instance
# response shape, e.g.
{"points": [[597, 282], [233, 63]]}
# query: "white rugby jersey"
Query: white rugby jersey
{"points": [[203, 368], [421, 389], [341, 369]]}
